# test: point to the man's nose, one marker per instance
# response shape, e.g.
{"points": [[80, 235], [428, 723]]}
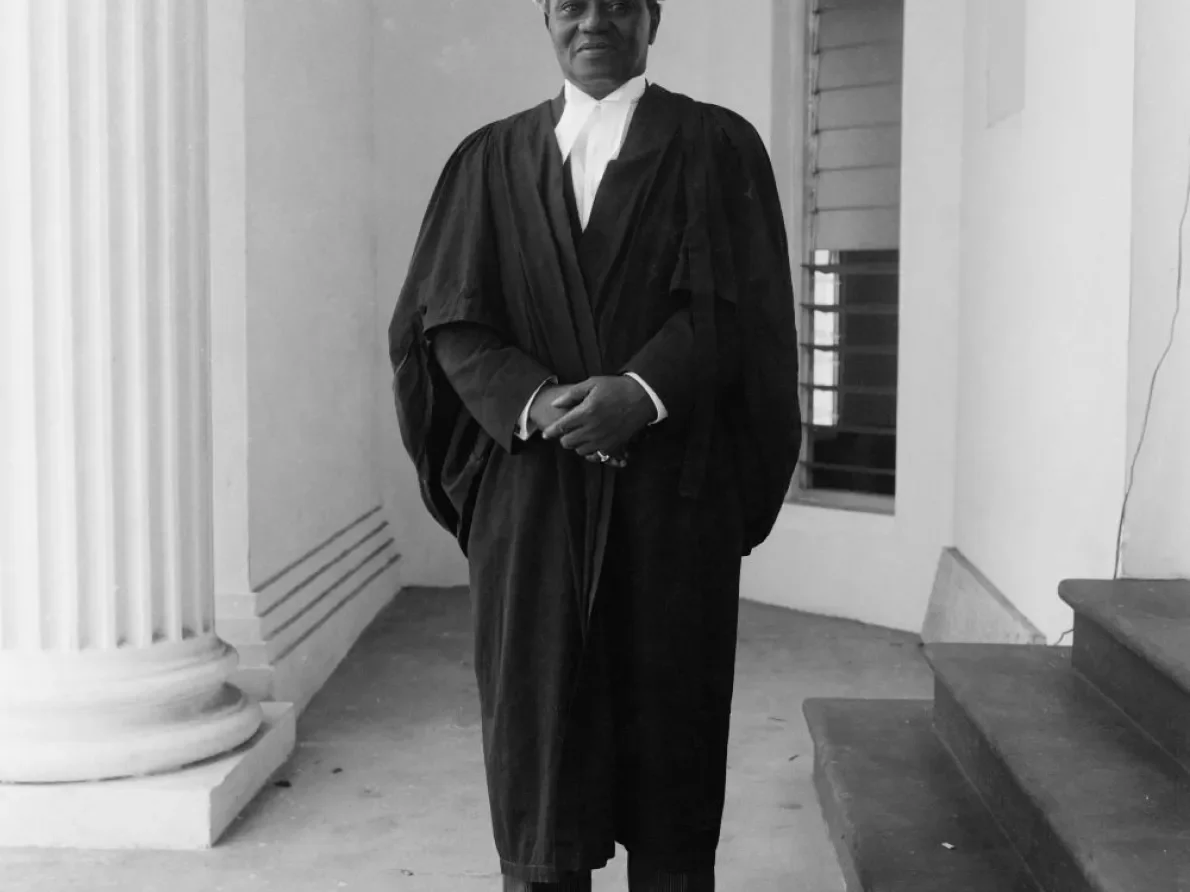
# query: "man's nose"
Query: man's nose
{"points": [[595, 18]]}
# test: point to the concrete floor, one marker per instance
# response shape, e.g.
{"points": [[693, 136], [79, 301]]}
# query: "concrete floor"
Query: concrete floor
{"points": [[386, 791]]}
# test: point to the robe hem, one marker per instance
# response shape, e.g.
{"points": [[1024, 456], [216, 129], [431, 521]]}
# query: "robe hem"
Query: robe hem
{"points": [[543, 873], [677, 863]]}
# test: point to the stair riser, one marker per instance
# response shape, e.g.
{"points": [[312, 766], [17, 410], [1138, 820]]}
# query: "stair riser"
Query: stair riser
{"points": [[898, 810], [1148, 696], [1022, 821], [838, 827]]}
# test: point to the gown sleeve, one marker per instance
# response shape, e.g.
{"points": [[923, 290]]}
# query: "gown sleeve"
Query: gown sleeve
{"points": [[751, 246], [453, 288], [495, 380], [666, 363]]}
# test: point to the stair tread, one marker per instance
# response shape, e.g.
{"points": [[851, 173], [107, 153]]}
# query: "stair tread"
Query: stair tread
{"points": [[1151, 617], [894, 801], [1114, 798]]}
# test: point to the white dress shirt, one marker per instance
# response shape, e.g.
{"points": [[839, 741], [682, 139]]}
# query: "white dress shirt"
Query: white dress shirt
{"points": [[591, 133]]}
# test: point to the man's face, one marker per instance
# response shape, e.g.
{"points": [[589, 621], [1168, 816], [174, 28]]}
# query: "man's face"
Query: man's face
{"points": [[601, 44]]}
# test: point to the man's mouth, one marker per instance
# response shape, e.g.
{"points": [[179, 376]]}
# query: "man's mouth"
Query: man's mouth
{"points": [[595, 48]]}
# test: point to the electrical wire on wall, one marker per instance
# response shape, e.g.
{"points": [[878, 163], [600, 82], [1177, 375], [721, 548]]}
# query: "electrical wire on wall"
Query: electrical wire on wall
{"points": [[1144, 425]]}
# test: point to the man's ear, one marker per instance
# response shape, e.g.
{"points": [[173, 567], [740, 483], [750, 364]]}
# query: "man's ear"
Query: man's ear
{"points": [[654, 20]]}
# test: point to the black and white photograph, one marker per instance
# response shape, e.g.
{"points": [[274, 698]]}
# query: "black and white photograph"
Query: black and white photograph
{"points": [[594, 446]]}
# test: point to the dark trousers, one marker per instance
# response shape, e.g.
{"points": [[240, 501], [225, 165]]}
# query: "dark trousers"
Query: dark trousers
{"points": [[639, 880]]}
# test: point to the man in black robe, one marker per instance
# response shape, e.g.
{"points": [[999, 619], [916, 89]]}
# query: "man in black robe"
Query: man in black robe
{"points": [[596, 377]]}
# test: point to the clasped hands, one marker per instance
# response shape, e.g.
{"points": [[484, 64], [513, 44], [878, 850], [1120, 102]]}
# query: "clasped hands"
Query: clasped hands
{"points": [[594, 418]]}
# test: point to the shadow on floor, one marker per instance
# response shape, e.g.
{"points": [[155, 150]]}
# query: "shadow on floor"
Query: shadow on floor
{"points": [[385, 792]]}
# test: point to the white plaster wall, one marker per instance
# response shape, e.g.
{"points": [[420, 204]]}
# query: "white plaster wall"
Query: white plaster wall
{"points": [[723, 59], [310, 228], [1043, 340], [229, 288], [1157, 533], [444, 69]]}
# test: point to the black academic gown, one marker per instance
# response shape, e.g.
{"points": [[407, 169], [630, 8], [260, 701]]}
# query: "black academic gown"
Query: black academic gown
{"points": [[605, 601]]}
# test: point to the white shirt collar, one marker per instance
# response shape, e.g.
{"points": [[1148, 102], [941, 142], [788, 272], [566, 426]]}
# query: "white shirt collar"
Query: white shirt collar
{"points": [[579, 106], [629, 91]]}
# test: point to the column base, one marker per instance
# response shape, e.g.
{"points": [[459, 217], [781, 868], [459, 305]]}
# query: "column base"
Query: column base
{"points": [[186, 809], [67, 717]]}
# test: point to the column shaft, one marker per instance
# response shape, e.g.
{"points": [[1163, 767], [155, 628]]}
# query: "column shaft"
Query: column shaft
{"points": [[106, 591]]}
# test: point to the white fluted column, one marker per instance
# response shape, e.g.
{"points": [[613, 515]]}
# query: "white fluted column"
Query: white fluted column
{"points": [[109, 663]]}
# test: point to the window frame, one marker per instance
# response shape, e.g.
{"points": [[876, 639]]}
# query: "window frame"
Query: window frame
{"points": [[804, 167]]}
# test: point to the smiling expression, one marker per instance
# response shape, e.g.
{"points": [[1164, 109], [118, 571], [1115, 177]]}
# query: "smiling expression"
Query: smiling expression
{"points": [[601, 44]]}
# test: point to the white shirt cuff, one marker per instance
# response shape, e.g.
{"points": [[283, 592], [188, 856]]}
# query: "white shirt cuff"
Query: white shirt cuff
{"points": [[662, 414], [522, 428]]}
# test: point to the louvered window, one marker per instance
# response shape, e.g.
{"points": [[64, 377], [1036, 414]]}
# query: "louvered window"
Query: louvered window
{"points": [[851, 241]]}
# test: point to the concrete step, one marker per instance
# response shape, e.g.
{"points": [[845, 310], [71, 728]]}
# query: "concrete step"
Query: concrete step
{"points": [[1091, 803], [901, 815], [1132, 641]]}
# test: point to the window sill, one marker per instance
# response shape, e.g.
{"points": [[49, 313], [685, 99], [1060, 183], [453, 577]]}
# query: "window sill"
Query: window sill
{"points": [[836, 500]]}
